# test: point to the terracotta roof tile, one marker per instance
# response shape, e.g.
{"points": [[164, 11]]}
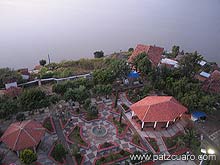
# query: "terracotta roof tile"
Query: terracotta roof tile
{"points": [[21, 135], [212, 84], [158, 108], [154, 53]]}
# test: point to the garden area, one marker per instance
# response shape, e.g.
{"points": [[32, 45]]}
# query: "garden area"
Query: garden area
{"points": [[113, 157], [106, 145], [48, 124], [190, 139], [58, 153], [119, 123], [75, 137], [153, 144]]}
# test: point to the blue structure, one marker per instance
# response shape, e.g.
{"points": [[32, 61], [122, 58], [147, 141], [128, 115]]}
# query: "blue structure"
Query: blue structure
{"points": [[198, 115], [133, 74]]}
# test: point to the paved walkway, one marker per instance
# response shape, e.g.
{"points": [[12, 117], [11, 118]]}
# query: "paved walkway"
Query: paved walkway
{"points": [[61, 137], [91, 153]]}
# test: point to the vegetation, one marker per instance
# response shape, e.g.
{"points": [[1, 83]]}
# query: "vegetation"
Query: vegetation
{"points": [[42, 62], [153, 144], [59, 153], [106, 145], [112, 157], [48, 125], [120, 125], [98, 54], [136, 139], [8, 75], [76, 137], [28, 156], [33, 99], [76, 153], [143, 64], [190, 140]]}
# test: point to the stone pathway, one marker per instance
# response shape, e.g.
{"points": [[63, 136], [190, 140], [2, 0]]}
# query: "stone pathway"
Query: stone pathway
{"points": [[61, 137], [91, 153]]}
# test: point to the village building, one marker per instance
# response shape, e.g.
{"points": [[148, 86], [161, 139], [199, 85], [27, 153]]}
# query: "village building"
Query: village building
{"points": [[202, 76], [212, 84], [170, 63], [24, 73], [154, 53], [11, 83], [23, 135], [157, 111]]}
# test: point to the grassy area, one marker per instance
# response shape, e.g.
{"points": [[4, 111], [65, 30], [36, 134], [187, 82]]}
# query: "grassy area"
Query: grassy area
{"points": [[171, 142], [136, 140], [153, 144], [78, 158], [106, 145], [76, 137], [48, 125], [120, 126], [112, 157]]}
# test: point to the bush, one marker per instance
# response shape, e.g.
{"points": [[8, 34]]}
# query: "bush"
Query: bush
{"points": [[59, 153], [20, 117], [28, 156]]}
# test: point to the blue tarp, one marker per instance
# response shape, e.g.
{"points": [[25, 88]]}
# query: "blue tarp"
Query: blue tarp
{"points": [[133, 74], [198, 114]]}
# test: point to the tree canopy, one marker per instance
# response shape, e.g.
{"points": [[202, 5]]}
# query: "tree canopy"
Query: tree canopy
{"points": [[28, 156], [98, 54], [42, 62]]}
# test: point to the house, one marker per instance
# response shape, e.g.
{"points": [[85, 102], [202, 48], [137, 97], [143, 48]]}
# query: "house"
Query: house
{"points": [[24, 73], [157, 110], [11, 83], [169, 63], [202, 76], [23, 135], [202, 63], [212, 84], [154, 53]]}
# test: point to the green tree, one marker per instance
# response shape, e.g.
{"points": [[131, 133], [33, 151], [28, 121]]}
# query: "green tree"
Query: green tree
{"points": [[42, 62], [28, 156], [98, 54], [189, 64], [143, 64], [59, 152], [131, 49], [175, 51], [33, 99], [7, 75]]}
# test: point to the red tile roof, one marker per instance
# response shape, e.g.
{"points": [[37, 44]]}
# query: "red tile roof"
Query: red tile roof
{"points": [[212, 84], [154, 53], [22, 135], [158, 108]]}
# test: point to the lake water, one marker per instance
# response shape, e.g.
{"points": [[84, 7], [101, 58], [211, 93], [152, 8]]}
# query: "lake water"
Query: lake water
{"points": [[73, 29]]}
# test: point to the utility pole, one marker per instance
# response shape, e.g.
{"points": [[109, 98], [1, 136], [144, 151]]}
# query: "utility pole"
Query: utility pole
{"points": [[48, 58]]}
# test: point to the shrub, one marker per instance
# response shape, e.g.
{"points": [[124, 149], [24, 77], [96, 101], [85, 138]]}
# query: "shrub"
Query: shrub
{"points": [[28, 156], [59, 153]]}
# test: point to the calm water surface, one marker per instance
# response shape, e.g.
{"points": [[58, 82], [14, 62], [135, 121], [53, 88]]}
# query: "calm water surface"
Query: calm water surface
{"points": [[72, 29]]}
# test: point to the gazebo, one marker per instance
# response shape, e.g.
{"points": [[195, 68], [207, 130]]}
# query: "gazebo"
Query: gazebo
{"points": [[23, 135], [153, 110]]}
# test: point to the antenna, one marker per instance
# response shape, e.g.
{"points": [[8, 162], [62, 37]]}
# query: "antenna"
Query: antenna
{"points": [[48, 58]]}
